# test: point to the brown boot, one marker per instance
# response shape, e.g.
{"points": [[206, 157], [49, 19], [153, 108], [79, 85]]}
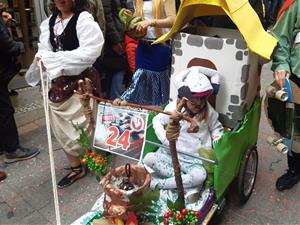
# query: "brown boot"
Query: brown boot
{"points": [[2, 176]]}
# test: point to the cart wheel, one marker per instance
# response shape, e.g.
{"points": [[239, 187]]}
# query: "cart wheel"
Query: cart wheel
{"points": [[247, 175]]}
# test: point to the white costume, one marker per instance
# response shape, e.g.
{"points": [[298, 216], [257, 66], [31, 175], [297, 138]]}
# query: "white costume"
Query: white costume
{"points": [[193, 174], [67, 63]]}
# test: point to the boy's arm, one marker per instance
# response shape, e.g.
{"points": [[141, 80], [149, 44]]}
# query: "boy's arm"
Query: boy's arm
{"points": [[160, 121], [216, 128], [284, 32], [7, 45]]}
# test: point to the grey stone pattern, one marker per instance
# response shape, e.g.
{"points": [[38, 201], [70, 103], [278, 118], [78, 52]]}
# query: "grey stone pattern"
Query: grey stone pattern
{"points": [[234, 99], [244, 91], [245, 73], [237, 106], [239, 55], [240, 44], [193, 40], [230, 41], [176, 48], [214, 43]]}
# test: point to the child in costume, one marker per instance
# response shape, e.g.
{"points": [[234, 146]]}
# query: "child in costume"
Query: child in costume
{"points": [[286, 64], [150, 83], [196, 87]]}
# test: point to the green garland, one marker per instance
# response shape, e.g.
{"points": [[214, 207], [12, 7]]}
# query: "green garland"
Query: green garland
{"points": [[179, 215]]}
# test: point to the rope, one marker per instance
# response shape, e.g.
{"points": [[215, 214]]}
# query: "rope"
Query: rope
{"points": [[50, 148]]}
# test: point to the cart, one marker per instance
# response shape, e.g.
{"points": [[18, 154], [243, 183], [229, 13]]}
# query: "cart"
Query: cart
{"points": [[238, 103]]}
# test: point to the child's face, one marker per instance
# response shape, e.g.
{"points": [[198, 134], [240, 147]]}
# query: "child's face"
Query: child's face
{"points": [[195, 105]]}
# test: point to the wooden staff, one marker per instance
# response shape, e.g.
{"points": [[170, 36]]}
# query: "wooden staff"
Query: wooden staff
{"points": [[174, 156], [85, 90]]}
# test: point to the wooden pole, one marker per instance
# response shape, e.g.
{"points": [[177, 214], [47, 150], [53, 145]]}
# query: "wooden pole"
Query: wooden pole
{"points": [[174, 156], [192, 129], [177, 172]]}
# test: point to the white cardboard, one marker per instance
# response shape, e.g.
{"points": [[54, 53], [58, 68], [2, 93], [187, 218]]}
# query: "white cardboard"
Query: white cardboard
{"points": [[239, 69]]}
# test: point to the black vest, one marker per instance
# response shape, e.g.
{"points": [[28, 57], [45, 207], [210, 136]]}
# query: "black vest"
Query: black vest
{"points": [[68, 38]]}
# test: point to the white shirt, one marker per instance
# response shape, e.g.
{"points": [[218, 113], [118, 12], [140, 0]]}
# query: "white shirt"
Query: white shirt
{"points": [[148, 16], [190, 142], [67, 62]]}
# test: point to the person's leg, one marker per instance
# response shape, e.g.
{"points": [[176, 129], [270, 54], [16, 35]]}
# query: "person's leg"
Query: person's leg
{"points": [[116, 85], [192, 175], [162, 167], [60, 116], [193, 178], [9, 140], [77, 172], [292, 176], [2, 176]]}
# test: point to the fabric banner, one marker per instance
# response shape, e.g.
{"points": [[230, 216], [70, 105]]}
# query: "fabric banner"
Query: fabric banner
{"points": [[121, 131]]}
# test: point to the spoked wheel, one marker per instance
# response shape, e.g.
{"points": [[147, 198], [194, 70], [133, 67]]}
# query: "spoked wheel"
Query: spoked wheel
{"points": [[247, 175]]}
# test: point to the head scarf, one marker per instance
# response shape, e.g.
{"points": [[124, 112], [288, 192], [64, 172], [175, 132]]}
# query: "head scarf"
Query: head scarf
{"points": [[191, 83]]}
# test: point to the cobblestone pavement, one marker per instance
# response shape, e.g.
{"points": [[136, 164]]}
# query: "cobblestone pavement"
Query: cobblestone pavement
{"points": [[26, 195]]}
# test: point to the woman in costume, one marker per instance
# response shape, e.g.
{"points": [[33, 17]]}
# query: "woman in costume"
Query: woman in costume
{"points": [[193, 85], [150, 83], [70, 42], [286, 64]]}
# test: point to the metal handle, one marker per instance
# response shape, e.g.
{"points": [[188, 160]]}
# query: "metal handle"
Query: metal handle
{"points": [[184, 153]]}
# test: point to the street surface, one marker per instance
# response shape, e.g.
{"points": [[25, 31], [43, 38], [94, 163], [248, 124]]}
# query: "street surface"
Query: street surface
{"points": [[26, 195]]}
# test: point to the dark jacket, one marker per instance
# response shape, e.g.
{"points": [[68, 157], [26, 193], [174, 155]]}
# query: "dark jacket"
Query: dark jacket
{"points": [[226, 22], [9, 50], [115, 34]]}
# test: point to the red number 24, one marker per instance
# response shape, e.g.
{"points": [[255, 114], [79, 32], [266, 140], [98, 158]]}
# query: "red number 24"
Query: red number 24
{"points": [[113, 139]]}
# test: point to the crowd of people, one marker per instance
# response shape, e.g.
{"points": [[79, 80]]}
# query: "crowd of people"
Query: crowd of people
{"points": [[82, 34]]}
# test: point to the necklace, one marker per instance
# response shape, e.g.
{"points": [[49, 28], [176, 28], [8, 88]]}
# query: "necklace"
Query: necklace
{"points": [[58, 37]]}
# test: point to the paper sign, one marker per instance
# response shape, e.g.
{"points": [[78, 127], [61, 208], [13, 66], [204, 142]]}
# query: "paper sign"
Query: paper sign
{"points": [[120, 131]]}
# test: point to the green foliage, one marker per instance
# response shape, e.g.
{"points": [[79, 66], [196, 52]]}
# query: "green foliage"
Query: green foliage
{"points": [[96, 162], [144, 201], [177, 205], [84, 139]]}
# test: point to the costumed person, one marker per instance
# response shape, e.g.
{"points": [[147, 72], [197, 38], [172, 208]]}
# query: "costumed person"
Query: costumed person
{"points": [[94, 7], [70, 42], [193, 85], [286, 64], [114, 61], [272, 8], [10, 65], [9, 22], [150, 83]]}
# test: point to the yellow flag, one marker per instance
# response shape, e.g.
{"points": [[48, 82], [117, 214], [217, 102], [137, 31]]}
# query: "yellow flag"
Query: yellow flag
{"points": [[240, 12]]}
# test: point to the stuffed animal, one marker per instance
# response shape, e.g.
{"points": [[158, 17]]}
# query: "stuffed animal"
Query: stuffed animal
{"points": [[130, 21]]}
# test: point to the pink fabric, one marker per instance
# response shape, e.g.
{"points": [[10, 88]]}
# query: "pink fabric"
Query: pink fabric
{"points": [[201, 94]]}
